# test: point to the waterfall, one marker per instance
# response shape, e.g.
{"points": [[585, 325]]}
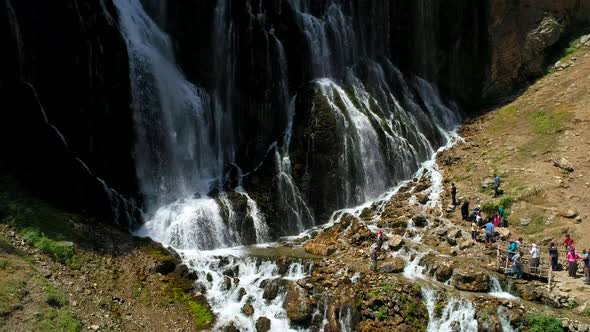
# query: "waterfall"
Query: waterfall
{"points": [[457, 315], [504, 319], [181, 144], [496, 290], [228, 294]]}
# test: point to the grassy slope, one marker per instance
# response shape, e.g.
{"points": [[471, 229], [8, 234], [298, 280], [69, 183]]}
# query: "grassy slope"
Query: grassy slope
{"points": [[99, 275]]}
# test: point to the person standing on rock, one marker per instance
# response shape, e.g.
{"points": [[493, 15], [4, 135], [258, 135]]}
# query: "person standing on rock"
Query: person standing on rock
{"points": [[374, 257], [572, 257], [465, 210], [379, 239], [496, 185], [454, 194], [474, 230], [512, 248], [535, 259], [489, 233], [502, 214], [553, 254]]}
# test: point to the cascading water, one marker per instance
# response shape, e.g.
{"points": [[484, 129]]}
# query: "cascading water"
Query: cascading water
{"points": [[228, 292], [457, 315], [503, 316], [496, 290]]}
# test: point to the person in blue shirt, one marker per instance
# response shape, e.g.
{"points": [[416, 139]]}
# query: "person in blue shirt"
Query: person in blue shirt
{"points": [[496, 185], [489, 232]]}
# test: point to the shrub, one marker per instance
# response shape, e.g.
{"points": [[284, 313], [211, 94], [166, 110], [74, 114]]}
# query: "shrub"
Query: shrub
{"points": [[542, 323]]}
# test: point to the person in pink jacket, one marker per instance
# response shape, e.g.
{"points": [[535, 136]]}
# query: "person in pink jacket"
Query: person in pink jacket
{"points": [[572, 257]]}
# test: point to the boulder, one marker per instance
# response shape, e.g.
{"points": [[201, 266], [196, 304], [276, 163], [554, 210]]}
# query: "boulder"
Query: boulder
{"points": [[262, 324], [569, 214], [503, 233], [241, 293], [563, 164], [395, 266], [422, 198], [525, 221], [298, 305], [164, 267], [272, 287], [420, 220], [444, 271], [455, 233], [467, 243], [441, 231], [451, 241], [248, 309], [471, 280], [320, 249], [395, 243]]}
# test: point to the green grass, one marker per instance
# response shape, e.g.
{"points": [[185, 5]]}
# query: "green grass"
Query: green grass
{"points": [[548, 123], [542, 323], [3, 264], [537, 225], [12, 292], [202, 315], [381, 313], [504, 202], [59, 320], [58, 250]]}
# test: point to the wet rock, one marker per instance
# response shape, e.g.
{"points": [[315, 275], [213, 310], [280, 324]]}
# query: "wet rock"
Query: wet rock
{"points": [[209, 277], [444, 271], [395, 266], [367, 214], [395, 243], [471, 280], [297, 305], [165, 267], [248, 309], [528, 292], [422, 198], [226, 283], [272, 287], [241, 293], [563, 164], [420, 220], [231, 328], [262, 324]]}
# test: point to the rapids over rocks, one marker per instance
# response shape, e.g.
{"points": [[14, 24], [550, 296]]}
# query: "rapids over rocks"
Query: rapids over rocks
{"points": [[356, 128]]}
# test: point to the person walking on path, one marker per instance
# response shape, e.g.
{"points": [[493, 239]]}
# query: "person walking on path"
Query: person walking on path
{"points": [[496, 185], [512, 248], [454, 194], [516, 264], [465, 210], [489, 233], [374, 257], [572, 257], [553, 255], [535, 259], [568, 242]]}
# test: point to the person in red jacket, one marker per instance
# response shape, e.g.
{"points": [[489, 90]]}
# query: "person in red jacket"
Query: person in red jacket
{"points": [[568, 242]]}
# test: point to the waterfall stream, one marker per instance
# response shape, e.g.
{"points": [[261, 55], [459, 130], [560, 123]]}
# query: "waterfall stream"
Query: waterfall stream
{"points": [[388, 125]]}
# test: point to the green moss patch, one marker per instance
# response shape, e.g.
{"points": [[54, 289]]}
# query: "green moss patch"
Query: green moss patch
{"points": [[541, 323]]}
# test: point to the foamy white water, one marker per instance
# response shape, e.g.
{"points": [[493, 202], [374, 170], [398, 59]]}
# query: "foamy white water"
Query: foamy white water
{"points": [[496, 290], [457, 312]]}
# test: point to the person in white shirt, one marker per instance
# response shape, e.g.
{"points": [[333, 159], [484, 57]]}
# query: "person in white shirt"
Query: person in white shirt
{"points": [[535, 259]]}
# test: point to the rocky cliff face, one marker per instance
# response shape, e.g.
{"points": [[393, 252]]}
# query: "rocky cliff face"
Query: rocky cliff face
{"points": [[75, 62], [66, 125]]}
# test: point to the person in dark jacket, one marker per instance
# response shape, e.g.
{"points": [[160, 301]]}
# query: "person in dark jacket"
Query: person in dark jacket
{"points": [[465, 210], [553, 255], [496, 185], [454, 194]]}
